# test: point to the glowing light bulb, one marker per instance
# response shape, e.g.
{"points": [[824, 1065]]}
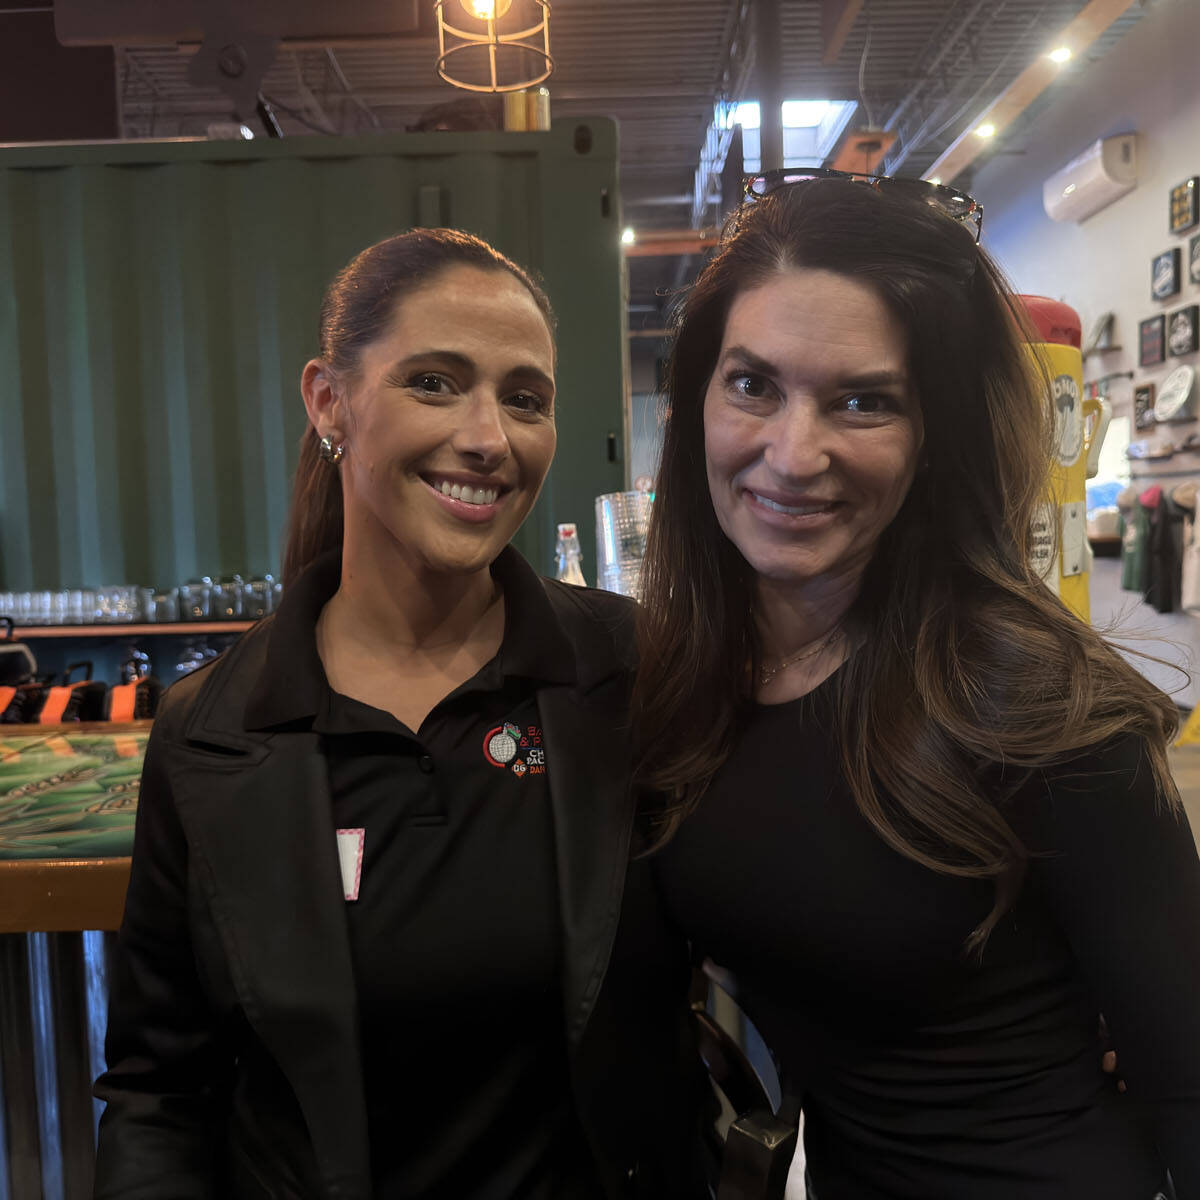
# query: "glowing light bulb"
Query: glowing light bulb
{"points": [[986, 130], [1061, 55], [628, 237], [487, 10]]}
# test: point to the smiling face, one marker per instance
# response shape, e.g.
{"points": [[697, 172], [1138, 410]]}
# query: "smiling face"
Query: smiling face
{"points": [[811, 428], [448, 423]]}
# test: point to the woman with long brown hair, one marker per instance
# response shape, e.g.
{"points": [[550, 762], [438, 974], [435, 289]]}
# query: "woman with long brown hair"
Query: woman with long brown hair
{"points": [[921, 812], [373, 943]]}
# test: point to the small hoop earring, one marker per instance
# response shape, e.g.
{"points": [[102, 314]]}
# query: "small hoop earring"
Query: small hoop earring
{"points": [[330, 451]]}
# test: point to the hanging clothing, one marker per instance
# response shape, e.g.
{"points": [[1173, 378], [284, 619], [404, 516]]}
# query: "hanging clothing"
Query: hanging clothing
{"points": [[1189, 571], [1135, 536], [1164, 553]]}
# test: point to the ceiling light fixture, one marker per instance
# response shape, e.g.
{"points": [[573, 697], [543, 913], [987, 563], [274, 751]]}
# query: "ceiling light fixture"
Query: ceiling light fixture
{"points": [[628, 237], [486, 10], [492, 59], [1060, 55]]}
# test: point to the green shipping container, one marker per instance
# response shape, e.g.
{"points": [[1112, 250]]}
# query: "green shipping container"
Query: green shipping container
{"points": [[159, 299]]}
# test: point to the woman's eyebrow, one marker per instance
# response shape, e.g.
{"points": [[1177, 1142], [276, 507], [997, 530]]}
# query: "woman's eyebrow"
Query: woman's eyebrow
{"points": [[750, 359], [886, 377], [525, 372], [871, 379], [532, 375], [449, 358]]}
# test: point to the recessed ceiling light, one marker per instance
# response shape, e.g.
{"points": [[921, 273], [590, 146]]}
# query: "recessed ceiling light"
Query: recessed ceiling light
{"points": [[986, 130], [1061, 55]]}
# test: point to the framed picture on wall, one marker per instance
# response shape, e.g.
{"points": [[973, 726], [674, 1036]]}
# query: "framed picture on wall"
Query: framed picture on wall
{"points": [[1143, 406], [1152, 341], [1164, 274], [1185, 204], [1182, 330], [1194, 258]]}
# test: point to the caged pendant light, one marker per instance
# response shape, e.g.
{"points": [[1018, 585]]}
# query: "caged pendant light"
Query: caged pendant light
{"points": [[488, 57]]}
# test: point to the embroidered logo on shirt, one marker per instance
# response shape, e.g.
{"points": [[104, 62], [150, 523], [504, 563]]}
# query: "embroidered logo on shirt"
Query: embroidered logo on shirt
{"points": [[518, 750], [500, 744]]}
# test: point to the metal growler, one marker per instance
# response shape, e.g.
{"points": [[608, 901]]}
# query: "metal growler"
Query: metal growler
{"points": [[1061, 549]]}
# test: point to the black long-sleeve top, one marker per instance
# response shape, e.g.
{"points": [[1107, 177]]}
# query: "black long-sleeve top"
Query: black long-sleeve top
{"points": [[924, 1073]]}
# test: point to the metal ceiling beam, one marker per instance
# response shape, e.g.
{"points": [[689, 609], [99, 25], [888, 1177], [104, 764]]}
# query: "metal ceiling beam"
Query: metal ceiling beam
{"points": [[837, 19], [673, 243], [768, 76], [729, 87], [1087, 26]]}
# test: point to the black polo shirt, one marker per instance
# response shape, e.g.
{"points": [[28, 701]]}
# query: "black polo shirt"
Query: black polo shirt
{"points": [[446, 841]]}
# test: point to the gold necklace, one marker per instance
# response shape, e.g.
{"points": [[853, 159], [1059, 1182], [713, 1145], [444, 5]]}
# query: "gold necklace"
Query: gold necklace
{"points": [[766, 674]]}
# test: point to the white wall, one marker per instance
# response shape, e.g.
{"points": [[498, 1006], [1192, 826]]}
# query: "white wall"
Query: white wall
{"points": [[1149, 84]]}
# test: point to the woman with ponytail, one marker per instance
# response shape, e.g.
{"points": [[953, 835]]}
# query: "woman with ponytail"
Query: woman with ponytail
{"points": [[382, 938]]}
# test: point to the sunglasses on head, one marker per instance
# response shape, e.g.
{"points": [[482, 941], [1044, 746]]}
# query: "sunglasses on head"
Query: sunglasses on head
{"points": [[949, 200]]}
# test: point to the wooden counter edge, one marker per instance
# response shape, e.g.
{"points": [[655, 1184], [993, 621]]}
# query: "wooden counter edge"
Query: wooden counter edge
{"points": [[62, 894]]}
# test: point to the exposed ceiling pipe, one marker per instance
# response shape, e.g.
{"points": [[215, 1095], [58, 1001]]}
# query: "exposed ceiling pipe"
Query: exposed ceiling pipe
{"points": [[918, 139], [946, 43]]}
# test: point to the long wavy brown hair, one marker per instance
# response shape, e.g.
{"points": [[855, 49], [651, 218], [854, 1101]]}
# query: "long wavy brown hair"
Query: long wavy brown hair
{"points": [[964, 660], [357, 308]]}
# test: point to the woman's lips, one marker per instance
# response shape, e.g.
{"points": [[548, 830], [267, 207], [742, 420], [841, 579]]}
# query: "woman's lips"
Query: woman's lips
{"points": [[800, 514], [470, 510]]}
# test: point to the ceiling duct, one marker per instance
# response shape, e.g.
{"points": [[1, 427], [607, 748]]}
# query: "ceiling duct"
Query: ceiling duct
{"points": [[299, 24], [235, 44]]}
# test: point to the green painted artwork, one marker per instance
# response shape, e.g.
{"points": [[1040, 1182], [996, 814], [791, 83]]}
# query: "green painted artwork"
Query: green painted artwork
{"points": [[68, 794]]}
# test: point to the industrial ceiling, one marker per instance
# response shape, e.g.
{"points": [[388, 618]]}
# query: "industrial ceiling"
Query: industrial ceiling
{"points": [[922, 69]]}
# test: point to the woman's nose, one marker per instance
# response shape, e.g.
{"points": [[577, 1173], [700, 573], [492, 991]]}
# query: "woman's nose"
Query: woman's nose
{"points": [[797, 443], [481, 433]]}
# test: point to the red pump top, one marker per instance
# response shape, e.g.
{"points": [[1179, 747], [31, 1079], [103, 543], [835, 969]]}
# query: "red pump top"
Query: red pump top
{"points": [[1055, 321]]}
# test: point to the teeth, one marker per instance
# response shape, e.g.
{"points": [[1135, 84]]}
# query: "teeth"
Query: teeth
{"points": [[802, 510], [468, 494]]}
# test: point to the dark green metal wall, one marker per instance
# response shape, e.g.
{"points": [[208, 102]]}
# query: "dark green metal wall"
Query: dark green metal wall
{"points": [[158, 301]]}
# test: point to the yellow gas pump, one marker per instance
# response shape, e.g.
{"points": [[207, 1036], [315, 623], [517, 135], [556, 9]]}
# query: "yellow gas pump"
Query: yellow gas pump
{"points": [[1061, 549]]}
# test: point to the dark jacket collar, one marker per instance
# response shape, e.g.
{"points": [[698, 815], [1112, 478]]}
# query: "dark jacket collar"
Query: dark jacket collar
{"points": [[292, 688]]}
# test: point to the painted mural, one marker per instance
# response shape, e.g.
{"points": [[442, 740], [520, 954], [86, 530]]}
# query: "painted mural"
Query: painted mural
{"points": [[69, 794]]}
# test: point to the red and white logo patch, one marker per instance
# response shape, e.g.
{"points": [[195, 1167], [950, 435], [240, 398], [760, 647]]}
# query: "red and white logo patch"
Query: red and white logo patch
{"points": [[511, 748]]}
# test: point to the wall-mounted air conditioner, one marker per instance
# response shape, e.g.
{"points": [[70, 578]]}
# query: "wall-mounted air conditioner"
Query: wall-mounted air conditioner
{"points": [[1106, 170]]}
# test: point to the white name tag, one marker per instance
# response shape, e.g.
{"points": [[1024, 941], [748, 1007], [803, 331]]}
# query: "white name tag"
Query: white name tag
{"points": [[350, 852]]}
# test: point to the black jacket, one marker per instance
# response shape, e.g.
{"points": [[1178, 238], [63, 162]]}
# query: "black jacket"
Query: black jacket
{"points": [[233, 1051]]}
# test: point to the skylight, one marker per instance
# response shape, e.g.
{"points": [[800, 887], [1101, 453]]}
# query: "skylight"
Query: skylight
{"points": [[811, 129]]}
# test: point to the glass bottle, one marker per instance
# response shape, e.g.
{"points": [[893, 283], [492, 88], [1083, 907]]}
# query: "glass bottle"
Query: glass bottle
{"points": [[569, 555]]}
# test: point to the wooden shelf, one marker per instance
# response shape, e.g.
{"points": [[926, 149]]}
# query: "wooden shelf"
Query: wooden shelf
{"points": [[115, 630], [49, 731], [62, 894]]}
